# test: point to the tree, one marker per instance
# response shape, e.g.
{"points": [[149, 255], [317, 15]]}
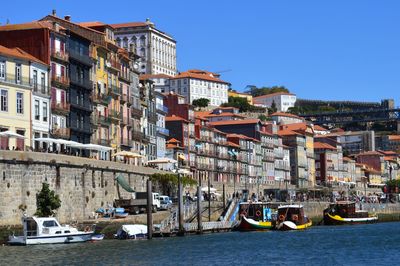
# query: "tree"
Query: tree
{"points": [[47, 201], [168, 182], [273, 108], [201, 102], [263, 117], [255, 92], [242, 104]]}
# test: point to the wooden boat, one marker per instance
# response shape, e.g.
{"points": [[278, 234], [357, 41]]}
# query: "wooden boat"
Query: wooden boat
{"points": [[120, 213], [256, 216], [344, 212], [47, 230], [291, 217]]}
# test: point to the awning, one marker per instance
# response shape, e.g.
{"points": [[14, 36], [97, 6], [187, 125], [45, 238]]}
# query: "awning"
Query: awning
{"points": [[205, 189], [123, 183], [128, 154], [162, 160], [11, 134]]}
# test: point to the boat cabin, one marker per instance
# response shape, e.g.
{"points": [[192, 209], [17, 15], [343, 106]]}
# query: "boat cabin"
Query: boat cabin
{"points": [[346, 209], [34, 226], [293, 213], [258, 211]]}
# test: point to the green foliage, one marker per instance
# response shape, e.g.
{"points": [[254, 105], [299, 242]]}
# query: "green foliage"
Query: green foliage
{"points": [[273, 108], [169, 182], [392, 184], [47, 201], [255, 92], [242, 104], [201, 102], [263, 117]]}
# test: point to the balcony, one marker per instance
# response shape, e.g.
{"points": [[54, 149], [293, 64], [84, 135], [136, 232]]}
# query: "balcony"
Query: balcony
{"points": [[125, 78], [152, 117], [84, 59], [268, 158], [84, 83], [60, 55], [130, 101], [136, 112], [162, 108], [61, 81], [82, 128], [125, 142], [114, 64], [63, 133], [268, 145], [114, 91], [113, 114], [11, 79], [136, 135], [163, 131], [41, 90], [124, 119], [104, 142], [94, 120], [60, 108], [104, 120], [85, 105]]}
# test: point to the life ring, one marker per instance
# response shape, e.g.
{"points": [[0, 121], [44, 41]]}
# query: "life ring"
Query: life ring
{"points": [[281, 217], [295, 217], [258, 213], [87, 229]]}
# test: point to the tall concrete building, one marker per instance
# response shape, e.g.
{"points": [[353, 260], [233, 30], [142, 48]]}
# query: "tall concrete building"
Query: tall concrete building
{"points": [[157, 49]]}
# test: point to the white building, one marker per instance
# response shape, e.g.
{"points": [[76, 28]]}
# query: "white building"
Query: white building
{"points": [[160, 81], [157, 49], [195, 84], [281, 118], [39, 74], [283, 100]]}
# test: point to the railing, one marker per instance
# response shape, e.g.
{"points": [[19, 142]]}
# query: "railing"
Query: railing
{"points": [[104, 142], [269, 158], [114, 90], [136, 112], [81, 105], [114, 114], [125, 141], [94, 119], [162, 108], [105, 120], [136, 135], [232, 205], [207, 226], [23, 81], [62, 80], [124, 119], [152, 116], [163, 131], [83, 58], [38, 88], [112, 63], [60, 55], [61, 132], [64, 107], [124, 98], [86, 83]]}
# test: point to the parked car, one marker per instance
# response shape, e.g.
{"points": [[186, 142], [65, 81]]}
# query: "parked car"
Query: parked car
{"points": [[165, 203]]}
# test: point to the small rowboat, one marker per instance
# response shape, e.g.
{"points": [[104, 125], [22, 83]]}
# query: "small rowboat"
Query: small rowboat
{"points": [[97, 237]]}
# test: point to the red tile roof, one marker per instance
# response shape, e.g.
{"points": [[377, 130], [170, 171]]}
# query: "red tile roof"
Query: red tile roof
{"points": [[19, 53], [205, 75], [273, 94], [287, 132], [91, 24], [28, 26], [235, 122], [240, 136], [175, 118], [233, 144], [128, 24], [323, 146], [225, 114]]}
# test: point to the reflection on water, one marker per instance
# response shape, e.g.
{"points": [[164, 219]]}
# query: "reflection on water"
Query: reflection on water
{"points": [[375, 244]]}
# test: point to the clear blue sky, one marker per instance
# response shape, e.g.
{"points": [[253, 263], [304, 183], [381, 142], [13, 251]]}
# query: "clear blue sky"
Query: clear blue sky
{"points": [[342, 49]]}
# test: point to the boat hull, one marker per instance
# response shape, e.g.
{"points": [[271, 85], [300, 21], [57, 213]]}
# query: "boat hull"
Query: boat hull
{"points": [[61, 239], [290, 226], [248, 224], [330, 219]]}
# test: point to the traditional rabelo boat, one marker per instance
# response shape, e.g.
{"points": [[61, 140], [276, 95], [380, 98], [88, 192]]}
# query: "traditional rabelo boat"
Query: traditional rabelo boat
{"points": [[256, 216], [291, 217], [344, 212]]}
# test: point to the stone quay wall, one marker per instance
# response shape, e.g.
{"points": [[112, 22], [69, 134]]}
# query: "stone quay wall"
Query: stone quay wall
{"points": [[82, 184]]}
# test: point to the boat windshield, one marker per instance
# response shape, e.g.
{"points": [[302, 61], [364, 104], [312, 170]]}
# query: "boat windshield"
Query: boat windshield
{"points": [[50, 223]]}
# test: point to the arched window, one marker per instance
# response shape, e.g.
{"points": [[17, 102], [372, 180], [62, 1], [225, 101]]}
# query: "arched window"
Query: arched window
{"points": [[142, 40], [125, 43]]}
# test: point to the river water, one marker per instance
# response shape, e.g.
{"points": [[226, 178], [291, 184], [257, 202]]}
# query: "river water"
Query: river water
{"points": [[374, 244]]}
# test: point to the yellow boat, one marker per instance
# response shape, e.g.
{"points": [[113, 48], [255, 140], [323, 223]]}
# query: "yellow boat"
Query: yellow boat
{"points": [[291, 217]]}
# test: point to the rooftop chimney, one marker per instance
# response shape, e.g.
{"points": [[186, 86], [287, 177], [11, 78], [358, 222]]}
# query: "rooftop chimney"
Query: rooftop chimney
{"points": [[67, 18], [54, 13]]}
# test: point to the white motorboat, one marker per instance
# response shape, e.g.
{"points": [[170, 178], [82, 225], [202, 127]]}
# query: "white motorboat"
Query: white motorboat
{"points": [[132, 231], [47, 230]]}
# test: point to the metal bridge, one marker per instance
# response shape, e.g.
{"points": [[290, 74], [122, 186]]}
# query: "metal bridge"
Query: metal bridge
{"points": [[356, 116]]}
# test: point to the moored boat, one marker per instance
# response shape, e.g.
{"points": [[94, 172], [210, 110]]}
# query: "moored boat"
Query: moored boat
{"points": [[291, 217], [47, 230], [256, 216], [344, 212], [132, 231]]}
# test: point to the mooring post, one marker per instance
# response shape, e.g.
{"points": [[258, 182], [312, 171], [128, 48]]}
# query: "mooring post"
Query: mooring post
{"points": [[199, 218], [180, 206], [223, 196], [149, 211], [209, 198]]}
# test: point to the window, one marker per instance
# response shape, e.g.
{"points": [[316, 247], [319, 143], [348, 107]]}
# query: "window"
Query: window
{"points": [[2, 70], [45, 112], [98, 63], [35, 79], [18, 73], [20, 103], [4, 100], [43, 82], [37, 115], [50, 224]]}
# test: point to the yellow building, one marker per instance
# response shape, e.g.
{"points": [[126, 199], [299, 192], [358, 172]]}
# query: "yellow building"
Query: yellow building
{"points": [[233, 93], [15, 97]]}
